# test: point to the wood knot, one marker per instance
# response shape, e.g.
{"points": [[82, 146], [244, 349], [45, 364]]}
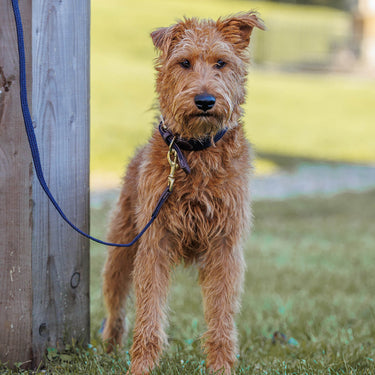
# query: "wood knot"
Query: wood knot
{"points": [[75, 279], [6, 83]]}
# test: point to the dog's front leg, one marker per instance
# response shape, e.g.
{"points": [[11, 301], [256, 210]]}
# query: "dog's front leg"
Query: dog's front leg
{"points": [[151, 279], [221, 277]]}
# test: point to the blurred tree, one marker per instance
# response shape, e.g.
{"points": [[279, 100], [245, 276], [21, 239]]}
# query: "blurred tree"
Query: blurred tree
{"points": [[340, 4], [364, 32]]}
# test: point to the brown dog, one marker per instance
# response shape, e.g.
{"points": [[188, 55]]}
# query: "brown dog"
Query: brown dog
{"points": [[201, 76]]}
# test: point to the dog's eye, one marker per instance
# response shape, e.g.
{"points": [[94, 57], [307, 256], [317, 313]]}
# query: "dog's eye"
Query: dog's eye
{"points": [[220, 64], [185, 64]]}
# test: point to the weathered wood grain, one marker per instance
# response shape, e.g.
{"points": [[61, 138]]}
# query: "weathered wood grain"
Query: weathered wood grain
{"points": [[44, 265], [15, 203], [60, 262]]}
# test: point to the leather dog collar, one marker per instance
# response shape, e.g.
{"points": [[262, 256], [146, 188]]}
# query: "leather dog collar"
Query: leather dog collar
{"points": [[191, 144]]}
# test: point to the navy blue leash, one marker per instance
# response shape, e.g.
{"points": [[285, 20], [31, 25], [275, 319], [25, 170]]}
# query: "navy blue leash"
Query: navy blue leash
{"points": [[34, 145], [175, 143]]}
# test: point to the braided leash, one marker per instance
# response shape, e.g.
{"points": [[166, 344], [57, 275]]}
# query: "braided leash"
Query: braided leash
{"points": [[175, 156], [34, 145]]}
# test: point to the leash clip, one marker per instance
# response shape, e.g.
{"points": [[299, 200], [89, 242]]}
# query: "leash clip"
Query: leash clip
{"points": [[172, 160]]}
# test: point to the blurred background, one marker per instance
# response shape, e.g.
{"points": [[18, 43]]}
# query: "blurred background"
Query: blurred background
{"points": [[311, 91]]}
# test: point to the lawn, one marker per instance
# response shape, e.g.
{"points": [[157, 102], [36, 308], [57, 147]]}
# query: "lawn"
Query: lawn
{"points": [[310, 276]]}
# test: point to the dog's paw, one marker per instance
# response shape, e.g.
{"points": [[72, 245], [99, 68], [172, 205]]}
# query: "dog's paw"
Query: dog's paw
{"points": [[220, 370], [142, 366]]}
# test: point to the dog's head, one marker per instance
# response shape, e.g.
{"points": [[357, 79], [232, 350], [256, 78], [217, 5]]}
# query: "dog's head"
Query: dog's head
{"points": [[202, 68]]}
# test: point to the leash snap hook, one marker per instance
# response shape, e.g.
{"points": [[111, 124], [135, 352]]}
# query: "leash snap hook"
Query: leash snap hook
{"points": [[172, 160]]}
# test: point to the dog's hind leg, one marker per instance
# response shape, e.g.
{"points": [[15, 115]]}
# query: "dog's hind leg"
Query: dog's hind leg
{"points": [[221, 277]]}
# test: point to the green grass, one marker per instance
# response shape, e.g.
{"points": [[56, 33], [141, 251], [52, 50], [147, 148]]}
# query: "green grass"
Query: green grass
{"points": [[310, 275], [299, 114]]}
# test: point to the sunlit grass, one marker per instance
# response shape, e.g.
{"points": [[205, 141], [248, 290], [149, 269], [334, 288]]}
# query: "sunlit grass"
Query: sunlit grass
{"points": [[322, 117]]}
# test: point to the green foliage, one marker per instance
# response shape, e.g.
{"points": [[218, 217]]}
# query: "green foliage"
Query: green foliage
{"points": [[340, 4]]}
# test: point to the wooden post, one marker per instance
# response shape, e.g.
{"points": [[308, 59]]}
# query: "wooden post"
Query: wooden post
{"points": [[44, 265], [15, 199]]}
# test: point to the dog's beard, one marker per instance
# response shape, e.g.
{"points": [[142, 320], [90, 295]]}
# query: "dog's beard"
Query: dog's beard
{"points": [[202, 125], [199, 124]]}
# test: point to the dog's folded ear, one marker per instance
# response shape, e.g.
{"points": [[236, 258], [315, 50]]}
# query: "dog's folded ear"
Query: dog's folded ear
{"points": [[166, 37], [238, 28], [159, 37]]}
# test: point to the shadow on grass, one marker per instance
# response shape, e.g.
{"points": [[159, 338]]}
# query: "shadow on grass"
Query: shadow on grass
{"points": [[295, 176], [290, 162]]}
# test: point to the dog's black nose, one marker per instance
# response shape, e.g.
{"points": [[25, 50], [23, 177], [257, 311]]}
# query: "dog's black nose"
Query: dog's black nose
{"points": [[204, 102]]}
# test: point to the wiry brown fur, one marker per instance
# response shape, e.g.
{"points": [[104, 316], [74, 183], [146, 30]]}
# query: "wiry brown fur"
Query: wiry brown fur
{"points": [[208, 211]]}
